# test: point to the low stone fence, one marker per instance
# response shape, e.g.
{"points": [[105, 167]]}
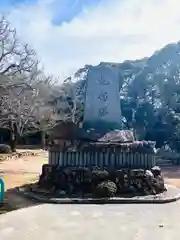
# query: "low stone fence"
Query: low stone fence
{"points": [[106, 159], [14, 156]]}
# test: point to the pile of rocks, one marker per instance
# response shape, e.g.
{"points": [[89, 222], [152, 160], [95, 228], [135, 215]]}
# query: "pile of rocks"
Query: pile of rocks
{"points": [[101, 183]]}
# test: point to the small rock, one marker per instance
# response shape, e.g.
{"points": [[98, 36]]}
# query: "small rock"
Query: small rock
{"points": [[71, 188], [21, 189], [156, 171], [119, 177], [132, 189], [161, 184], [137, 172], [148, 173], [60, 193], [67, 172]]}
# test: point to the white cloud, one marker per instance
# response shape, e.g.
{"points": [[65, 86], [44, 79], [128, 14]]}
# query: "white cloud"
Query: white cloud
{"points": [[114, 30]]}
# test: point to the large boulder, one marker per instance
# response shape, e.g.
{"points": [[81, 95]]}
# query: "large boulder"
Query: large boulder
{"points": [[59, 179], [119, 136], [99, 176], [158, 184], [45, 180], [81, 180]]}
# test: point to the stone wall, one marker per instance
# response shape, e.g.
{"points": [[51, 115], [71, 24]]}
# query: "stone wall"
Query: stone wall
{"points": [[102, 159]]}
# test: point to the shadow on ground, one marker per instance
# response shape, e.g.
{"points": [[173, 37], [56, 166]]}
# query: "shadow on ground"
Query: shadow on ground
{"points": [[14, 201]]}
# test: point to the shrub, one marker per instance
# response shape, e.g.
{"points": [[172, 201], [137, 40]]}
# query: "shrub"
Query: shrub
{"points": [[105, 189], [5, 148], [99, 176]]}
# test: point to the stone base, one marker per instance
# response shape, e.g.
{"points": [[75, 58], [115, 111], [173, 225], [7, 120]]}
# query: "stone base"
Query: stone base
{"points": [[172, 194], [100, 183]]}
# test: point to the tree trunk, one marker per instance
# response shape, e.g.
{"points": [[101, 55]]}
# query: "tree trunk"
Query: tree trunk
{"points": [[12, 136], [13, 142], [43, 140]]}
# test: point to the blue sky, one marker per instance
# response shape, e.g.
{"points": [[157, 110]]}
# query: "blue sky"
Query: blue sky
{"points": [[64, 10], [67, 34], [6, 4]]}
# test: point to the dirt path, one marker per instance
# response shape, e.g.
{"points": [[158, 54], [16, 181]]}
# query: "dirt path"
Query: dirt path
{"points": [[19, 172], [172, 175]]}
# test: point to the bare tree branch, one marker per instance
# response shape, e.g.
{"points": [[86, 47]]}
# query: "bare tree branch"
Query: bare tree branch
{"points": [[15, 56], [25, 103], [69, 103]]}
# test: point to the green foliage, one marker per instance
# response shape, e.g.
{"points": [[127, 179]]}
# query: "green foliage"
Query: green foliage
{"points": [[150, 95]]}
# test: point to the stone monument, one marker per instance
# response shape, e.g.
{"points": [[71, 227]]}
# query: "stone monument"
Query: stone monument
{"points": [[102, 103], [101, 159]]}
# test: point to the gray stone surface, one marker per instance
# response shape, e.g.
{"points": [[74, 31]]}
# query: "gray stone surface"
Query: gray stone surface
{"points": [[172, 194], [102, 104], [91, 222]]}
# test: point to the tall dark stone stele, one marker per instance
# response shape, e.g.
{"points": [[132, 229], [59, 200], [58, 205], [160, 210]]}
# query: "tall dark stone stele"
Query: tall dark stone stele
{"points": [[102, 103]]}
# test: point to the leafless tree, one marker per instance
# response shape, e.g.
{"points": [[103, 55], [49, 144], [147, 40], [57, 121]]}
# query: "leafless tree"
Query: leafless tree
{"points": [[69, 98], [15, 56], [24, 88], [24, 108], [68, 103]]}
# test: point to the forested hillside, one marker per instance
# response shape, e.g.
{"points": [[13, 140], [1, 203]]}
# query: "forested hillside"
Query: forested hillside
{"points": [[149, 95]]}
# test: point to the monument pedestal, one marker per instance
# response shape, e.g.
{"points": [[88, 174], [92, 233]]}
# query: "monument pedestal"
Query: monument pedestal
{"points": [[103, 158]]}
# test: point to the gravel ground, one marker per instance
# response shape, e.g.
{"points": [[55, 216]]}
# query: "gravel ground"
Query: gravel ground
{"points": [[88, 222]]}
